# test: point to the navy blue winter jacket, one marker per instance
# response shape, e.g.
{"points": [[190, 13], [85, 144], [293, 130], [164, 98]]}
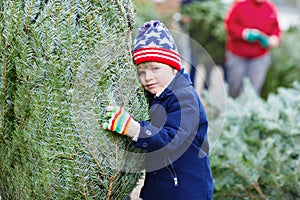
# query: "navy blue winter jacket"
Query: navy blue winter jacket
{"points": [[176, 163]]}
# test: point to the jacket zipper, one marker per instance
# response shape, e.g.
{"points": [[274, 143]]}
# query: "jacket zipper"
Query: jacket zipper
{"points": [[172, 171]]}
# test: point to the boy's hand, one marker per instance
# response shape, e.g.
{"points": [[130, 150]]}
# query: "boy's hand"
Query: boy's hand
{"points": [[121, 122]]}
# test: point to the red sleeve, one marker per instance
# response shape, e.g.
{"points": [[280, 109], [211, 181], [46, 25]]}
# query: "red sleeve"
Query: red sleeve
{"points": [[276, 28], [232, 26]]}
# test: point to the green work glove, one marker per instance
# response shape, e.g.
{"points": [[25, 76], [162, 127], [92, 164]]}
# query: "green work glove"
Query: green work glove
{"points": [[263, 40], [252, 35], [121, 122]]}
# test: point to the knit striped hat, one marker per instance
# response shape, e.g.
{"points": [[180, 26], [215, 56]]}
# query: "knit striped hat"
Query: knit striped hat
{"points": [[155, 43]]}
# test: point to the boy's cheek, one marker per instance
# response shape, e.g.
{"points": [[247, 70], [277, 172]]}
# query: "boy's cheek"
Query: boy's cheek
{"points": [[142, 82]]}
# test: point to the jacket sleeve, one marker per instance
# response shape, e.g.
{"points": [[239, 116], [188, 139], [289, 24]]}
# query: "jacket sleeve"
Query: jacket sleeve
{"points": [[232, 27], [276, 28], [172, 127]]}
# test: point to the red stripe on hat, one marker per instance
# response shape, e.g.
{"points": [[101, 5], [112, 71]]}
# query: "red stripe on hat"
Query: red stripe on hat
{"points": [[161, 55], [165, 52], [156, 50]]}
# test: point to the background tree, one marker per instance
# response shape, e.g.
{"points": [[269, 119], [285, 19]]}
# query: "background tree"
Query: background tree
{"points": [[206, 27], [257, 155], [285, 68], [62, 62]]}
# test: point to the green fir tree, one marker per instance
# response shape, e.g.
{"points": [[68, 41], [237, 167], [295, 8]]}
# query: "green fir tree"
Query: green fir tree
{"points": [[62, 62]]}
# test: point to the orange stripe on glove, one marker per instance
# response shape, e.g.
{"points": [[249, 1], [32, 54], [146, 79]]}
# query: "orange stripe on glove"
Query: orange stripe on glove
{"points": [[121, 122]]}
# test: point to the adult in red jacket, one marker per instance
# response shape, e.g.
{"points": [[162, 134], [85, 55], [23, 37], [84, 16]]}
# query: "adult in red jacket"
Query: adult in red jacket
{"points": [[252, 29]]}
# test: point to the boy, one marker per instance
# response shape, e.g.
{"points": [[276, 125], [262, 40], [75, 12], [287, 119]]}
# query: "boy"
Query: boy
{"points": [[177, 165]]}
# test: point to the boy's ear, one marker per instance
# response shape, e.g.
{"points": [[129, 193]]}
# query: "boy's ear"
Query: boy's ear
{"points": [[175, 71]]}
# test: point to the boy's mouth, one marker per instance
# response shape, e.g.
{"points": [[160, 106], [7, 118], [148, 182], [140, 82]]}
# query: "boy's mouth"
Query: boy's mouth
{"points": [[152, 85]]}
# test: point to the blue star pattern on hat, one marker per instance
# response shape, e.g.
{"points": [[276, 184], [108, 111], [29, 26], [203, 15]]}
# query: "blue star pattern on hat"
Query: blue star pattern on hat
{"points": [[155, 43]]}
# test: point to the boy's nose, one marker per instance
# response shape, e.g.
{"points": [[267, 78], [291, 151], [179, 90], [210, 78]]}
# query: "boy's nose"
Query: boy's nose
{"points": [[149, 75]]}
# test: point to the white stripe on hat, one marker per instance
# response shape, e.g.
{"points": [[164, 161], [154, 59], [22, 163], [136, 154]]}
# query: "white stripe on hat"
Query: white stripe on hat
{"points": [[159, 56], [155, 50]]}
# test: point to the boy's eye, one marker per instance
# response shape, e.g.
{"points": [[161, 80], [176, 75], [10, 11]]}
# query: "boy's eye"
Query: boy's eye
{"points": [[141, 73], [154, 69]]}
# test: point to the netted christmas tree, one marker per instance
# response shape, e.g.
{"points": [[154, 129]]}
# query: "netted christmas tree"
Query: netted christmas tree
{"points": [[62, 63]]}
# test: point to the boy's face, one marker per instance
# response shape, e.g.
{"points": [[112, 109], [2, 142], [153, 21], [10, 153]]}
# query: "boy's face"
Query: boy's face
{"points": [[155, 76]]}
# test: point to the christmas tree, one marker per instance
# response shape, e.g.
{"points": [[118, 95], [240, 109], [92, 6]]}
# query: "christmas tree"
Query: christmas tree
{"points": [[62, 63]]}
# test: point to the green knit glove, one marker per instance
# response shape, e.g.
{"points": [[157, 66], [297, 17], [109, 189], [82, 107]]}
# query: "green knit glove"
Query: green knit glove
{"points": [[263, 40], [121, 122], [252, 35]]}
